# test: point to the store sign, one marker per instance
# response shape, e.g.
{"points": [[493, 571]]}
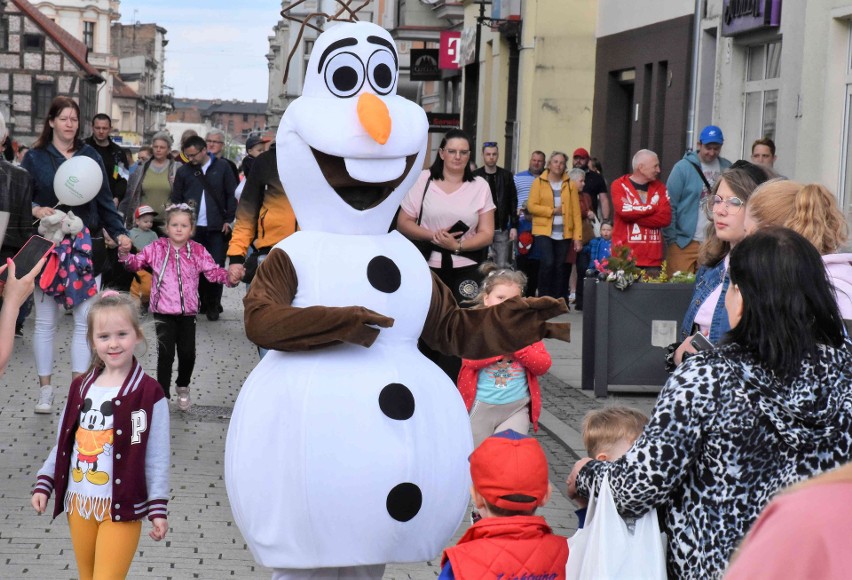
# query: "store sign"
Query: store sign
{"points": [[424, 64], [450, 50], [442, 122], [739, 16]]}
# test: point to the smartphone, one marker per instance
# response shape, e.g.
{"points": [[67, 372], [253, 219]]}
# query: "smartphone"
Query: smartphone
{"points": [[700, 342], [27, 257], [459, 228]]}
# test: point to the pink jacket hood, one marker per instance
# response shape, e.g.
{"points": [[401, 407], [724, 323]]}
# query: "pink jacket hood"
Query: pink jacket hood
{"points": [[839, 267]]}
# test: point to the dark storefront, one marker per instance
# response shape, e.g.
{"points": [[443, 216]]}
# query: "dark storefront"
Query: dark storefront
{"points": [[641, 100]]}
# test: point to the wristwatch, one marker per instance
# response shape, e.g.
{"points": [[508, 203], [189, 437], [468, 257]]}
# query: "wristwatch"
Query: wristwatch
{"points": [[458, 250]]}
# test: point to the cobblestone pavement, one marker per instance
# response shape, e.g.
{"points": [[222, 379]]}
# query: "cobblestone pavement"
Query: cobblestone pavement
{"points": [[203, 541]]}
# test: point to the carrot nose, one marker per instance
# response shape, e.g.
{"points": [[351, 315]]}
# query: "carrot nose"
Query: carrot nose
{"points": [[375, 117]]}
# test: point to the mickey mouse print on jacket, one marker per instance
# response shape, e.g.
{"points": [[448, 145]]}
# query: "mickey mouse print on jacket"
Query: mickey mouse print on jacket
{"points": [[111, 457]]}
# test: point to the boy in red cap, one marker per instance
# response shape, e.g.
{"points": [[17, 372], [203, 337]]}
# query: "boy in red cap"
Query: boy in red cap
{"points": [[509, 473]]}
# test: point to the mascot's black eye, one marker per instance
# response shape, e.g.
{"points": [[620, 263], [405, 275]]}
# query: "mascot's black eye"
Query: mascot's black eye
{"points": [[381, 70], [344, 74]]}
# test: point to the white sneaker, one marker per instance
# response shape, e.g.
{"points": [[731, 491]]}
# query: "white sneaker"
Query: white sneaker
{"points": [[45, 400], [572, 297], [183, 400]]}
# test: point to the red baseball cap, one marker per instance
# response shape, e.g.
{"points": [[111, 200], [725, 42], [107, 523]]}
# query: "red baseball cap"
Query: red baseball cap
{"points": [[581, 153], [508, 466], [143, 210]]}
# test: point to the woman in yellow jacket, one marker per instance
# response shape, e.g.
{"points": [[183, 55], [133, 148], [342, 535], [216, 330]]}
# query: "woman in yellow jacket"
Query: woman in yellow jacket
{"points": [[554, 203]]}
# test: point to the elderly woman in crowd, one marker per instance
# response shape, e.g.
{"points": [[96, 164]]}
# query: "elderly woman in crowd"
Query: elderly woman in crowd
{"points": [[812, 211], [151, 184], [554, 203], [735, 424]]}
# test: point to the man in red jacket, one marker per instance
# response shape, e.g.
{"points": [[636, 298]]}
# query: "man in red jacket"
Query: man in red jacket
{"points": [[509, 473], [641, 206]]}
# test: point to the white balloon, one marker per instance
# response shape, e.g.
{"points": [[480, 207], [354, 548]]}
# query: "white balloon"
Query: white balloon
{"points": [[78, 181]]}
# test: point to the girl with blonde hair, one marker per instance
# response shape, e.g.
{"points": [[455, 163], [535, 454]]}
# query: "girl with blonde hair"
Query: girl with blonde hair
{"points": [[812, 211]]}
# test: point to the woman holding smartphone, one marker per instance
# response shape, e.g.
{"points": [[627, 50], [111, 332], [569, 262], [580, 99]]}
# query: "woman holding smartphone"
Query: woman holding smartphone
{"points": [[452, 211], [706, 320]]}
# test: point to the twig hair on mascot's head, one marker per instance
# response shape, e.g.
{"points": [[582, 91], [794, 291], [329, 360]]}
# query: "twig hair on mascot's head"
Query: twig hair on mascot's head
{"points": [[350, 456]]}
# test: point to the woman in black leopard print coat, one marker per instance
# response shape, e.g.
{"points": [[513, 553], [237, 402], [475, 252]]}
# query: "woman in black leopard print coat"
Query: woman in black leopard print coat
{"points": [[733, 426]]}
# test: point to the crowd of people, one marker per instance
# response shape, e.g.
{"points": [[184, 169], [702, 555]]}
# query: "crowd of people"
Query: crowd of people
{"points": [[733, 426]]}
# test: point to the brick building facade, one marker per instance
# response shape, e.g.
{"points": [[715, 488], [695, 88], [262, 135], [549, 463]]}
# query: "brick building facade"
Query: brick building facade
{"points": [[38, 61]]}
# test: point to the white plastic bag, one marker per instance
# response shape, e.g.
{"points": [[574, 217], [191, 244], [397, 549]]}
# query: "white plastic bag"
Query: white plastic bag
{"points": [[596, 224], [608, 548]]}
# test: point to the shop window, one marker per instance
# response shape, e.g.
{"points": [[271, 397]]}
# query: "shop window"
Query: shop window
{"points": [[763, 81]]}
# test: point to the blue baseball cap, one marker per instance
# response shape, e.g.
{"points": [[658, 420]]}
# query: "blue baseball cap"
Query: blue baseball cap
{"points": [[711, 134]]}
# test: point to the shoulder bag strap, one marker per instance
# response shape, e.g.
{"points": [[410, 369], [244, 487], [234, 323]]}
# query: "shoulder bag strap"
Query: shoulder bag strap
{"points": [[701, 174], [422, 200]]}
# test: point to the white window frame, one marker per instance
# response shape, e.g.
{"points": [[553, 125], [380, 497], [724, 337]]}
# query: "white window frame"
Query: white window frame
{"points": [[762, 87]]}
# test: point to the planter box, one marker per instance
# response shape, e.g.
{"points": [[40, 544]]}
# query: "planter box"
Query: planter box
{"points": [[625, 332]]}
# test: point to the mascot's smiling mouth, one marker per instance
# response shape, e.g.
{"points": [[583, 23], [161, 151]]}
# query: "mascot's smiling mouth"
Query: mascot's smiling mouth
{"points": [[359, 195]]}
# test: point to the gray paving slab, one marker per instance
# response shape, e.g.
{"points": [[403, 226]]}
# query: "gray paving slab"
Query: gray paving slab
{"points": [[203, 541]]}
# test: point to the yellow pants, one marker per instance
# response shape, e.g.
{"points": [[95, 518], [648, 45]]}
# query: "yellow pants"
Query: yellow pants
{"points": [[105, 549]]}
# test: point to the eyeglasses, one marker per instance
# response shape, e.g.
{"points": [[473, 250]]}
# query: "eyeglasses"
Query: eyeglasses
{"points": [[732, 204], [457, 152], [215, 142], [489, 144]]}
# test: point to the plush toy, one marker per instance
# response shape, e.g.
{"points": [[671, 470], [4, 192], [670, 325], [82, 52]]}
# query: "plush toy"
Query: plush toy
{"points": [[56, 226]]}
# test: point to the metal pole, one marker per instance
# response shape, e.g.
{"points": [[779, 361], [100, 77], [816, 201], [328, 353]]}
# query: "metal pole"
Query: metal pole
{"points": [[693, 89]]}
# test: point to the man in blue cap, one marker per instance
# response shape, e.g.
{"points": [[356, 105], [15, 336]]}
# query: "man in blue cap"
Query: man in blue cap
{"points": [[690, 182]]}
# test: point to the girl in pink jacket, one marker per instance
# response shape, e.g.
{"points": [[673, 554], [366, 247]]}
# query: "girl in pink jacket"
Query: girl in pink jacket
{"points": [[175, 263], [502, 392]]}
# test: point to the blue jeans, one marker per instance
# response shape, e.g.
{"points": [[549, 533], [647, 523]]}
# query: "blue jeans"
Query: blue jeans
{"points": [[552, 273]]}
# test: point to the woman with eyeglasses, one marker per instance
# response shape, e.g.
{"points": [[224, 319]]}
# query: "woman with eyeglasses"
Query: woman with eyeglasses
{"points": [[734, 425], [812, 211], [725, 210], [152, 183], [557, 223], [449, 215]]}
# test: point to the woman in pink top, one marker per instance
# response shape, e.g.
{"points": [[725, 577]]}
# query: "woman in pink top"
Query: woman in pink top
{"points": [[802, 534], [452, 211]]}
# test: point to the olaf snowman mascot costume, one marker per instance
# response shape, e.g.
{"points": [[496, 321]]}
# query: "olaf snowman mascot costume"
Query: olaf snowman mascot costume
{"points": [[348, 449]]}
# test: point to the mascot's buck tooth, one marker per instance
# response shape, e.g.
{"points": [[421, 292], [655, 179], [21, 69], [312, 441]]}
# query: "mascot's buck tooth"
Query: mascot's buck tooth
{"points": [[353, 452]]}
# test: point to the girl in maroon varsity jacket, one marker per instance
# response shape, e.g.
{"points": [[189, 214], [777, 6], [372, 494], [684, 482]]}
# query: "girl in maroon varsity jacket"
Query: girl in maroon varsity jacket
{"points": [[110, 465]]}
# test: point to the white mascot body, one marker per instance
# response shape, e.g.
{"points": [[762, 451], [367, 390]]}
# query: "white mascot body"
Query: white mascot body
{"points": [[350, 456]]}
